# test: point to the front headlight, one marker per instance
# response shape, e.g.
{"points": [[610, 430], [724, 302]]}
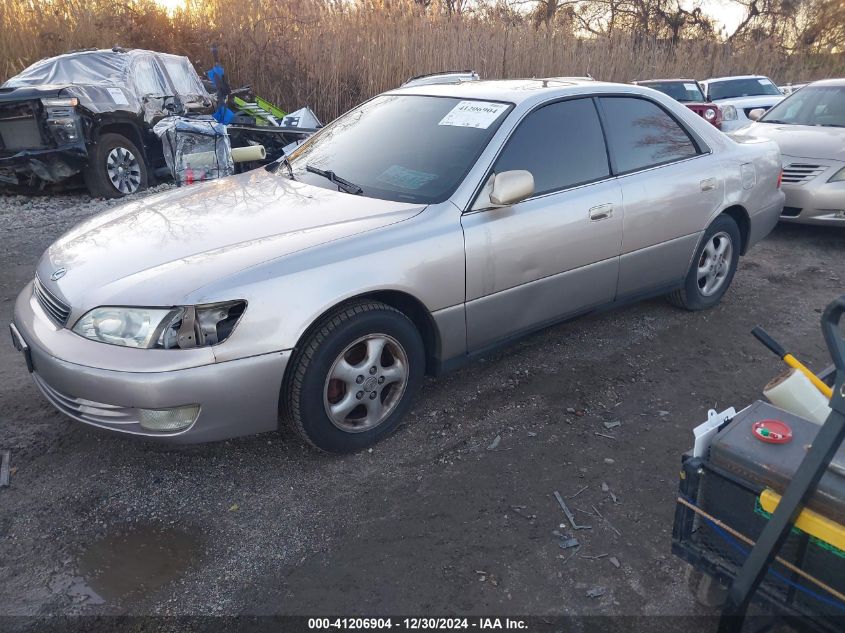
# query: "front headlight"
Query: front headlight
{"points": [[838, 176], [709, 114], [164, 328], [728, 113]]}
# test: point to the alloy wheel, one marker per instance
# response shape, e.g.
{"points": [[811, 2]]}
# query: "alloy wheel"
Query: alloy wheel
{"points": [[714, 265], [366, 383], [123, 170]]}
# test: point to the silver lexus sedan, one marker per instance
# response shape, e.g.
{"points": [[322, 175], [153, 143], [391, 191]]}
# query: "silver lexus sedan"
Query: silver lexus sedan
{"points": [[420, 230], [809, 128]]}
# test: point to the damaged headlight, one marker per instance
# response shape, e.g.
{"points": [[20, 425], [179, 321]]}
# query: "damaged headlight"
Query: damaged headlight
{"points": [[164, 328], [62, 119]]}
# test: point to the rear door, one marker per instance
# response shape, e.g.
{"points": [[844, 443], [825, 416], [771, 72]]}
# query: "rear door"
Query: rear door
{"points": [[671, 185], [556, 253]]}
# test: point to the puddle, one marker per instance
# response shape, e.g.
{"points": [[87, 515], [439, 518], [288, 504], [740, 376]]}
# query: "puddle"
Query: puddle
{"points": [[137, 561]]}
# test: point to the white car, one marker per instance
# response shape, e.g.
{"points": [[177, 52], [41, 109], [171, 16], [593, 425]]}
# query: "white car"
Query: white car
{"points": [[737, 96]]}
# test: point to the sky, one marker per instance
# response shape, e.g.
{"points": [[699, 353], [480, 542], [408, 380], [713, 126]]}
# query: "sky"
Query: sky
{"points": [[727, 13]]}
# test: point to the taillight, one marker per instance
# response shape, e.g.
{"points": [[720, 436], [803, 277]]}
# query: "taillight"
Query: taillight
{"points": [[780, 178]]}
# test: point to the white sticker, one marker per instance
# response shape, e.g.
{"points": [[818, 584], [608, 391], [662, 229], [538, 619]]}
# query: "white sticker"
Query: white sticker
{"points": [[764, 82], [691, 87], [479, 114], [118, 96]]}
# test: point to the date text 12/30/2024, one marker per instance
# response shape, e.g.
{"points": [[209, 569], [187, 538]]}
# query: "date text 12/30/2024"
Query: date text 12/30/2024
{"points": [[415, 624]]}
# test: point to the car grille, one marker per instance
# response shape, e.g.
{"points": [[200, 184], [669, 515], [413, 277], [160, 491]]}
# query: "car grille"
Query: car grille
{"points": [[86, 410], [799, 173], [19, 128], [57, 309]]}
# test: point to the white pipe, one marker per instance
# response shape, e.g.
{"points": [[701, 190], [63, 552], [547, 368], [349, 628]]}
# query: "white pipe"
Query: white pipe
{"points": [[792, 391], [239, 155]]}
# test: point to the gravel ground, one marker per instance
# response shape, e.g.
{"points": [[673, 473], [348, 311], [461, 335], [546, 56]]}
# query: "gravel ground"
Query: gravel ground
{"points": [[430, 521]]}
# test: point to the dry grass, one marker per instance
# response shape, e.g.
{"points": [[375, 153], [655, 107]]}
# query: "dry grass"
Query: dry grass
{"points": [[332, 55]]}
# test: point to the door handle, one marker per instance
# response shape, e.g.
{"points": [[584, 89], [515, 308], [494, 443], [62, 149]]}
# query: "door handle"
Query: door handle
{"points": [[708, 184], [601, 212]]}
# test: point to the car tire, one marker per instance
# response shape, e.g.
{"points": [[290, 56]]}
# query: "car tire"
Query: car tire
{"points": [[713, 267], [116, 168], [336, 396]]}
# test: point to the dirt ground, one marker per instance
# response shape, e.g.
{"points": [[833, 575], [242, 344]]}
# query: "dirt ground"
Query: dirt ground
{"points": [[433, 521]]}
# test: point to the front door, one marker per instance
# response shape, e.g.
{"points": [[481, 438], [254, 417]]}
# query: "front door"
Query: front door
{"points": [[557, 253]]}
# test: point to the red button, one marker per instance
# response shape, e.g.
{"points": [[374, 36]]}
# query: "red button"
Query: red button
{"points": [[772, 431]]}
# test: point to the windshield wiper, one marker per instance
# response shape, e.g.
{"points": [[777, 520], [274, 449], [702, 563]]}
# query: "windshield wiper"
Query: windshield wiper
{"points": [[775, 121], [342, 184]]}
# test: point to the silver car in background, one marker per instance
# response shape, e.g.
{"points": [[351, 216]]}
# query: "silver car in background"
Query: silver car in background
{"points": [[809, 127], [420, 230]]}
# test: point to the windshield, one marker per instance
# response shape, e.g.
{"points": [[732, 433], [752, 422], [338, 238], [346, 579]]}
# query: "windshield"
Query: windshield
{"points": [[822, 105], [404, 148], [748, 87], [683, 91]]}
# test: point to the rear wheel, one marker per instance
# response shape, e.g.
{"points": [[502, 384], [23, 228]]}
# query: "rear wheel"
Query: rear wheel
{"points": [[713, 267], [355, 377], [116, 168]]}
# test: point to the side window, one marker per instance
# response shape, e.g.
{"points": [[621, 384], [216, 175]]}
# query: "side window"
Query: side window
{"points": [[182, 75], [561, 144], [147, 78], [641, 134]]}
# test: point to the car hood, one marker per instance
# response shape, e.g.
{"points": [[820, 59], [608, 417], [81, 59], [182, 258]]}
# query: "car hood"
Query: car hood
{"points": [[158, 250], [802, 141], [10, 94], [759, 101]]}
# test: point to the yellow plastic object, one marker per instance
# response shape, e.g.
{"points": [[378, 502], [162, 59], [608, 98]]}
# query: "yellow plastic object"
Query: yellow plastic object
{"points": [[790, 360], [808, 521]]}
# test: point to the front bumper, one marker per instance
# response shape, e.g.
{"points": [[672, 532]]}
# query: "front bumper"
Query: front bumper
{"points": [[238, 397], [49, 164], [815, 202]]}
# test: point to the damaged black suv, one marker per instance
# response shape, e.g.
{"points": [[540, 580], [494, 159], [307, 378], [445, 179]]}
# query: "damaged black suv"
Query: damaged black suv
{"points": [[92, 113]]}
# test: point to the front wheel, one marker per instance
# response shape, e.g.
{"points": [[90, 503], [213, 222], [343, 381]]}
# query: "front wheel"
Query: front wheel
{"points": [[354, 378], [116, 168], [713, 267]]}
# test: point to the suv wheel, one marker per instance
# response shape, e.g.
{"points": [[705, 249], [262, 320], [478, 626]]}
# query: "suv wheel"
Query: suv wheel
{"points": [[712, 268], [354, 378], [115, 168]]}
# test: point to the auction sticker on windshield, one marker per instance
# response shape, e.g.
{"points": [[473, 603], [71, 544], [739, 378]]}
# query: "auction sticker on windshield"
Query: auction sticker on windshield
{"points": [[480, 114]]}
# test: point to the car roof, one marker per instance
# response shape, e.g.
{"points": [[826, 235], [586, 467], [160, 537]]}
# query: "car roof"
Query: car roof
{"points": [[518, 90], [735, 77], [648, 81], [839, 81]]}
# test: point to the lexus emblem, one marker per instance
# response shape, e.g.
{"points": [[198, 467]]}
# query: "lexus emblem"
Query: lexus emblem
{"points": [[58, 273]]}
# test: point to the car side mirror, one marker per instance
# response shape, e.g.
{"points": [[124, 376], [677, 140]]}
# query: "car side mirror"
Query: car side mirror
{"points": [[510, 187], [756, 114]]}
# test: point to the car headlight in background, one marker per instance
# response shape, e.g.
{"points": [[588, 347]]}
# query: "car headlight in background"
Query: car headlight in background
{"points": [[838, 176], [182, 327], [709, 114], [729, 113]]}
